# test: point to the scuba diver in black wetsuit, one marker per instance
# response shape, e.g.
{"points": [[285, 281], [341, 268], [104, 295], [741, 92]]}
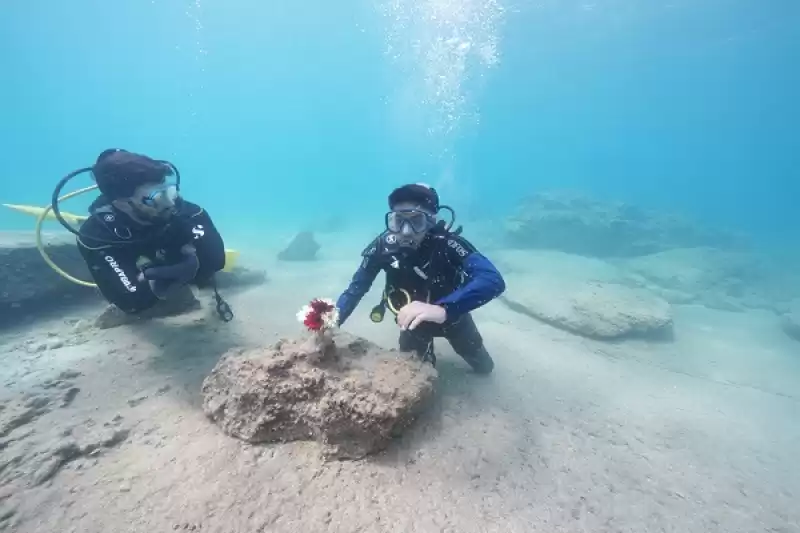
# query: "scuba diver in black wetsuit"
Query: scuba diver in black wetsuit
{"points": [[142, 240], [434, 278]]}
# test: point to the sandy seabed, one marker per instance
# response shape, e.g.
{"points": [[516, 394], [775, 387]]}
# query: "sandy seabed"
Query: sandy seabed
{"points": [[568, 435]]}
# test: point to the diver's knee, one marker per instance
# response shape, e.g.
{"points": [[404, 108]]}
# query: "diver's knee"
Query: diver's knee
{"points": [[480, 360], [484, 365]]}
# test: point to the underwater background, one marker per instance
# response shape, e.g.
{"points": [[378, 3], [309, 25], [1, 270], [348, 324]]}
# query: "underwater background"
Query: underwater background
{"points": [[646, 367], [281, 114]]}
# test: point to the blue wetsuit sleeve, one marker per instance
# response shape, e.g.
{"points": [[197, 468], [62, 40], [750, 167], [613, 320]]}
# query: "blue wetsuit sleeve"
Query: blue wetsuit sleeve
{"points": [[360, 284], [483, 284]]}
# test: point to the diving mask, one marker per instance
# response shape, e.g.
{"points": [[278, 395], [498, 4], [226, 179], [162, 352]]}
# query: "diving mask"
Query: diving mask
{"points": [[161, 198], [408, 221]]}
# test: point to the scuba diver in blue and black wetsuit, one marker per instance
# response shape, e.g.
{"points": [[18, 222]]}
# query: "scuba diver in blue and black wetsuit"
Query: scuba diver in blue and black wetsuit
{"points": [[434, 278], [142, 239]]}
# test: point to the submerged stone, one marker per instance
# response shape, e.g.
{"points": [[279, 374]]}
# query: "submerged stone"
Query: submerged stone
{"points": [[349, 394], [303, 247]]}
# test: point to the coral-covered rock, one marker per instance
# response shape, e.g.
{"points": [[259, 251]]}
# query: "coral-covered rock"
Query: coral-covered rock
{"points": [[350, 395]]}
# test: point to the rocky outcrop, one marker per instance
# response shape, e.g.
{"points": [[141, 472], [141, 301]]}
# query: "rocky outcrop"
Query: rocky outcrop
{"points": [[30, 288], [718, 279], [582, 225], [586, 296], [351, 396], [591, 309], [303, 247]]}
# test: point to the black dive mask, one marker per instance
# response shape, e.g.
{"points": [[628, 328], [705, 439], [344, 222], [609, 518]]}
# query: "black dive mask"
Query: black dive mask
{"points": [[407, 228]]}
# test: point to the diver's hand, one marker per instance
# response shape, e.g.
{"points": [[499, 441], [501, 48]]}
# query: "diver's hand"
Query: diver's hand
{"points": [[182, 272], [412, 315]]}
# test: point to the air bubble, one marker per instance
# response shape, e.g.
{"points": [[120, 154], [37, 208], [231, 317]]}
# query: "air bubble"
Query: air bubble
{"points": [[194, 14], [439, 45]]}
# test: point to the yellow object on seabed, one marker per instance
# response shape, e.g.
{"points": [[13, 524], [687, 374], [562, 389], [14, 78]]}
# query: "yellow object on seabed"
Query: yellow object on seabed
{"points": [[45, 213]]}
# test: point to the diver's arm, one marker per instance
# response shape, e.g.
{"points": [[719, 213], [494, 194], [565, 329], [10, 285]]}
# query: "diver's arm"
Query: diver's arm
{"points": [[208, 243], [360, 284], [484, 281], [114, 270]]}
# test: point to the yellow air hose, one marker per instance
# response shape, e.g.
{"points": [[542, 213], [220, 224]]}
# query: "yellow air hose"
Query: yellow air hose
{"points": [[40, 245], [42, 213]]}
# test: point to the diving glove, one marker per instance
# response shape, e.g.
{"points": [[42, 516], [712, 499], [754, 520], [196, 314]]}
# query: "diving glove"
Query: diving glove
{"points": [[180, 273]]}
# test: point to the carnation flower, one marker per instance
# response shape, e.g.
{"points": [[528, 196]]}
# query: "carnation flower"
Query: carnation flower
{"points": [[320, 314]]}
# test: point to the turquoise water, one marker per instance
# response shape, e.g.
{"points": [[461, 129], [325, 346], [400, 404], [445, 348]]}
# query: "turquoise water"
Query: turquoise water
{"points": [[280, 112], [284, 116]]}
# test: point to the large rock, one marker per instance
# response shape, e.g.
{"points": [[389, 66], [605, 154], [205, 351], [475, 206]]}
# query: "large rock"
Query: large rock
{"points": [[582, 295], [351, 396], [579, 224]]}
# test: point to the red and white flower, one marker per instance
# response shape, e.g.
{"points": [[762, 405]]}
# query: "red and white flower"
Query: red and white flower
{"points": [[319, 315]]}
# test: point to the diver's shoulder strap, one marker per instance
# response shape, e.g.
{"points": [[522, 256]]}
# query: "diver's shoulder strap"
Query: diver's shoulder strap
{"points": [[103, 230], [374, 246], [94, 234]]}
